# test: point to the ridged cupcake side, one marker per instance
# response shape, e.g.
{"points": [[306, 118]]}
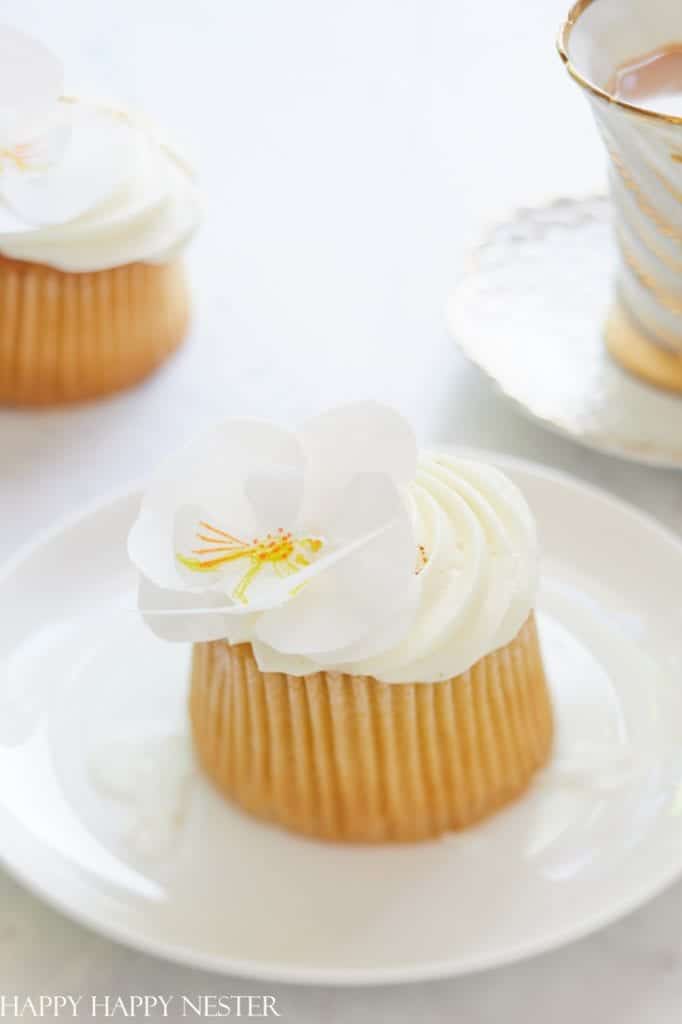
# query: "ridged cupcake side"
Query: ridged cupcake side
{"points": [[348, 758]]}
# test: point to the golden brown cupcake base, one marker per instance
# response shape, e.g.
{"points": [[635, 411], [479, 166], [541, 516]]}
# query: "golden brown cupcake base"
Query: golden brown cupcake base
{"points": [[348, 758], [67, 337], [639, 355]]}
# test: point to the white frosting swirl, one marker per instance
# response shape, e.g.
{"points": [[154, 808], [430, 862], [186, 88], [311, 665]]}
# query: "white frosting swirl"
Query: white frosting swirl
{"points": [[477, 587], [116, 196]]}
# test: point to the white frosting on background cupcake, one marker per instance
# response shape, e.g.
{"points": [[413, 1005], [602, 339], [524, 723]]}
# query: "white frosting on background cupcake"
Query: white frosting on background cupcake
{"points": [[114, 196]]}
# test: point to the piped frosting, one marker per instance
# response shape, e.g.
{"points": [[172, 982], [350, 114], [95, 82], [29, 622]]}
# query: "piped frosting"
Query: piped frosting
{"points": [[115, 195]]}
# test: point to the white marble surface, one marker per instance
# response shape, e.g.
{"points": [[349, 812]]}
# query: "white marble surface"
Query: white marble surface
{"points": [[349, 152]]}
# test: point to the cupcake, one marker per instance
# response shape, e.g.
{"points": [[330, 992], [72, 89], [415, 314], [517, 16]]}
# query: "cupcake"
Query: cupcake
{"points": [[366, 664], [94, 214]]}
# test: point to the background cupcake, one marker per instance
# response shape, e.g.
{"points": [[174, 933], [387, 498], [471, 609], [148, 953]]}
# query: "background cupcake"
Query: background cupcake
{"points": [[94, 214], [366, 663]]}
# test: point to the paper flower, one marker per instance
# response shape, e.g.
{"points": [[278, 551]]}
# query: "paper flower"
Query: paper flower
{"points": [[302, 541], [32, 136]]}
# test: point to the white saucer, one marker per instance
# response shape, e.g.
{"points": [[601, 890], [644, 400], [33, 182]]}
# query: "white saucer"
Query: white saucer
{"points": [[158, 861], [529, 312]]}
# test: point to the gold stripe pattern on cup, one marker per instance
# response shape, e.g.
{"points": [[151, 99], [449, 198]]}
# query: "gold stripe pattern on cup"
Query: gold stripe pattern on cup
{"points": [[663, 297], [648, 240], [645, 206]]}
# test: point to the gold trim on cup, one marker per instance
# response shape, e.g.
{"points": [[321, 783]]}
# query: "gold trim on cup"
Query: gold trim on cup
{"points": [[563, 40]]}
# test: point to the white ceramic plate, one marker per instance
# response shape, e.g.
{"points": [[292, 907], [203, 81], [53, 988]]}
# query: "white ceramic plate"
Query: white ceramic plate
{"points": [[529, 312], [102, 813]]}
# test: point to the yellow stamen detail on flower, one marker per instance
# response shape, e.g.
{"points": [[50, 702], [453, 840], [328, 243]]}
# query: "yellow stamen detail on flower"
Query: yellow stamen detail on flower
{"points": [[18, 156], [287, 554]]}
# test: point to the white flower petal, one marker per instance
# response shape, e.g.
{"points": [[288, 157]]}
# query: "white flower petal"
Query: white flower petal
{"points": [[31, 82], [183, 615], [275, 497], [361, 437], [240, 628], [25, 172], [181, 628], [150, 545], [343, 604], [81, 160], [212, 474], [269, 660], [367, 502], [213, 469], [396, 621]]}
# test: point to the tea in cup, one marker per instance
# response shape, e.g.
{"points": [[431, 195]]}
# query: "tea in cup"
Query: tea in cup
{"points": [[627, 56]]}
